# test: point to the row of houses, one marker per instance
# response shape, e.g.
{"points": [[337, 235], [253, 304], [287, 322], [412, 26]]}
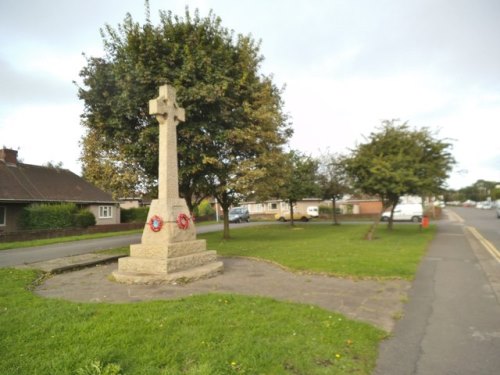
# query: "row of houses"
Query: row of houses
{"points": [[348, 205], [24, 184]]}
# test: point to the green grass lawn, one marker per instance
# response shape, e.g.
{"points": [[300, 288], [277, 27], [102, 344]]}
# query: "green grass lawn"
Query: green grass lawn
{"points": [[209, 334], [334, 250], [213, 334]]}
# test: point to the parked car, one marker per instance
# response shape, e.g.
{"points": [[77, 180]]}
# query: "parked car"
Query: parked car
{"points": [[405, 212], [297, 215], [497, 204], [487, 205], [238, 215]]}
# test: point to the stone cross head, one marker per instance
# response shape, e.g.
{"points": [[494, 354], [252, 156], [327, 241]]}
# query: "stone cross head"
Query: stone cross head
{"points": [[165, 107]]}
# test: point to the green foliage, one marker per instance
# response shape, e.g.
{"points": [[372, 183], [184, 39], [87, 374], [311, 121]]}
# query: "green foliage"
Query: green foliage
{"points": [[204, 209], [325, 210], [234, 114], [84, 219], [333, 179], [293, 178], [397, 161], [55, 216], [332, 176], [479, 191], [98, 368], [48, 216], [495, 195], [204, 334], [134, 215]]}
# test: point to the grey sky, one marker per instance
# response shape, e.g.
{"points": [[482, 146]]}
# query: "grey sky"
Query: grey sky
{"points": [[346, 66]]}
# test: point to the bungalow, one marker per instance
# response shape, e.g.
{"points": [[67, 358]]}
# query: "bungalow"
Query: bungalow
{"points": [[349, 205], [272, 207], [23, 184]]}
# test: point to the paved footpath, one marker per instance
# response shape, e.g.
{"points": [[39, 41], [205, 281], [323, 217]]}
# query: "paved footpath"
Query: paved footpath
{"points": [[376, 302], [451, 324]]}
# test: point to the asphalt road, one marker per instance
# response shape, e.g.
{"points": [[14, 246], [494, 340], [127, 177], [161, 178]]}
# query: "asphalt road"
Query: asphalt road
{"points": [[451, 323], [14, 257]]}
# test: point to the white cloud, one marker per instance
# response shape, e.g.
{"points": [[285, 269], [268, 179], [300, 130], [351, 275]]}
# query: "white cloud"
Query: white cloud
{"points": [[44, 133]]}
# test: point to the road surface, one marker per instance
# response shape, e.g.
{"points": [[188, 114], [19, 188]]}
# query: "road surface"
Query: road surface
{"points": [[14, 257]]}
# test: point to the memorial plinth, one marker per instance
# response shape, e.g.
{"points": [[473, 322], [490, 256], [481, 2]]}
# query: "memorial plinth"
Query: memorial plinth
{"points": [[169, 251]]}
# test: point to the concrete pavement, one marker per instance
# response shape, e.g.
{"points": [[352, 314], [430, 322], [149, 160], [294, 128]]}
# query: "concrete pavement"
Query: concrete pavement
{"points": [[451, 324]]}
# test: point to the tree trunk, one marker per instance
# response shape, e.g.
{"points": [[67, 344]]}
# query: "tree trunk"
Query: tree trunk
{"points": [[292, 223], [225, 211], [334, 205], [370, 235], [391, 218]]}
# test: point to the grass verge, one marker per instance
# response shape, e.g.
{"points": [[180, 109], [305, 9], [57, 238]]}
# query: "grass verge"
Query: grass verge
{"points": [[49, 241], [334, 250], [209, 334]]}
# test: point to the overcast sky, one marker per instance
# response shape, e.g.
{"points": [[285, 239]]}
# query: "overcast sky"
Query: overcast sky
{"points": [[346, 65]]}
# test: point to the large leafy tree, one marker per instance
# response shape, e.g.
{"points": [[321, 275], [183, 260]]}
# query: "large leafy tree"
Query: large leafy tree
{"points": [[234, 116], [398, 160], [298, 179]]}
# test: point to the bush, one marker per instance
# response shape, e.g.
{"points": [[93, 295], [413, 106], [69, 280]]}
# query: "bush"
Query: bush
{"points": [[204, 209], [84, 219], [134, 215], [55, 216], [327, 210], [48, 216]]}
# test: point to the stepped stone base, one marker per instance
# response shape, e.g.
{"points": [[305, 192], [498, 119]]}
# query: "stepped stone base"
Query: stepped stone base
{"points": [[201, 272], [153, 263]]}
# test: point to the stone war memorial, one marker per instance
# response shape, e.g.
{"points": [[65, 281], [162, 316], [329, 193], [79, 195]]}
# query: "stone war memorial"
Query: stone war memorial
{"points": [[169, 251]]}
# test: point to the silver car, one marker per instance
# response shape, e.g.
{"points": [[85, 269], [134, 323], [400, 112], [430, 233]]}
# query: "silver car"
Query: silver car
{"points": [[497, 206]]}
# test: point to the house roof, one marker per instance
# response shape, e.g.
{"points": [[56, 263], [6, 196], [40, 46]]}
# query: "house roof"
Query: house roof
{"points": [[30, 183]]}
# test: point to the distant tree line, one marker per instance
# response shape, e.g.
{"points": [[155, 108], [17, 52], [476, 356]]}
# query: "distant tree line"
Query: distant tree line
{"points": [[479, 191]]}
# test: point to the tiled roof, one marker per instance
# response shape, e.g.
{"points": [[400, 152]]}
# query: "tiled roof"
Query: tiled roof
{"points": [[30, 183]]}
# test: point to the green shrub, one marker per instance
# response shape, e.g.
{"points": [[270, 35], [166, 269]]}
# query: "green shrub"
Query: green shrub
{"points": [[84, 219], [327, 210], [204, 209], [55, 216], [134, 215], [48, 216]]}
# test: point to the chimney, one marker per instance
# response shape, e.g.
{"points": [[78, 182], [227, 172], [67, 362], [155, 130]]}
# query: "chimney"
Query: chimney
{"points": [[8, 156]]}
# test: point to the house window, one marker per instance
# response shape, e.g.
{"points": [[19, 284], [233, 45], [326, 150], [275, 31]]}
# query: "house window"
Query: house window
{"points": [[3, 214], [105, 212]]}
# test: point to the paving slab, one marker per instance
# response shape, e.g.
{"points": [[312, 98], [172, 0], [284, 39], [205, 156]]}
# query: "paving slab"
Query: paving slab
{"points": [[71, 263], [372, 301]]}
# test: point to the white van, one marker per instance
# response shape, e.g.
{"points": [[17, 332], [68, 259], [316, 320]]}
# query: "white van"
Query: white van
{"points": [[313, 211], [408, 211]]}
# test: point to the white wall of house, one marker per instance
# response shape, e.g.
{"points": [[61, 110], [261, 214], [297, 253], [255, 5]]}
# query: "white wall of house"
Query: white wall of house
{"points": [[106, 213], [273, 207]]}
